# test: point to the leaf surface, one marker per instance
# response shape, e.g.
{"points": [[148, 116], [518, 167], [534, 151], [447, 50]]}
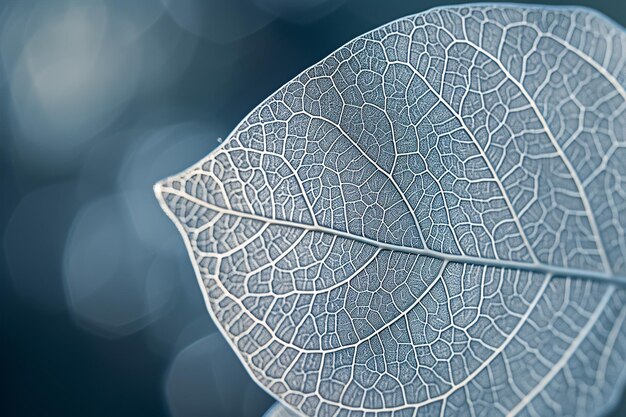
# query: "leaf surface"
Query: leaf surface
{"points": [[429, 222]]}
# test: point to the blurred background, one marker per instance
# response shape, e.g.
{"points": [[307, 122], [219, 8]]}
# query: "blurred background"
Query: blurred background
{"points": [[101, 314]]}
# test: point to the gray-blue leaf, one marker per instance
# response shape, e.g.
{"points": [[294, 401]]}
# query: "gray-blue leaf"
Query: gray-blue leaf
{"points": [[429, 222]]}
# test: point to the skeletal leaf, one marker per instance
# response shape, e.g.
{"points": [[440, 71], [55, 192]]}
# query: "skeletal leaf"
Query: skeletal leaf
{"points": [[429, 222]]}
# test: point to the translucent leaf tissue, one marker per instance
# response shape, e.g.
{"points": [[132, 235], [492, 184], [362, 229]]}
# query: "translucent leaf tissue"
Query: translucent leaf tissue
{"points": [[429, 222]]}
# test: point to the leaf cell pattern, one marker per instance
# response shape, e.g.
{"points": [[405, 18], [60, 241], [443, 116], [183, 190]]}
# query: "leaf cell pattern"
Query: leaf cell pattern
{"points": [[429, 222]]}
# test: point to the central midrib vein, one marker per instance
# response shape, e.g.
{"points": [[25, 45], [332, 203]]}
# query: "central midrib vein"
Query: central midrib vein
{"points": [[557, 271]]}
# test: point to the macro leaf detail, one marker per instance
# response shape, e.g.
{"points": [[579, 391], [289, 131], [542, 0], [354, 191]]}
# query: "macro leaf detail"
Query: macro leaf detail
{"points": [[429, 222]]}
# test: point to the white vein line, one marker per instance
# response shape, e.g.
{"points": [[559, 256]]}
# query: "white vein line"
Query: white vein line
{"points": [[378, 331], [378, 168], [239, 246], [566, 356], [610, 344], [538, 267], [345, 281], [557, 147], [500, 348], [505, 196], [585, 57], [274, 262]]}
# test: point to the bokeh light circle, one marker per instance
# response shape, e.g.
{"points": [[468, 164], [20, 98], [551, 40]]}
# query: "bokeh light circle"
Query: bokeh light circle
{"points": [[113, 284]]}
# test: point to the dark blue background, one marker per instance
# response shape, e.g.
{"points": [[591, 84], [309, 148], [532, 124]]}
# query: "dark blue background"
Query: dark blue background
{"points": [[100, 312]]}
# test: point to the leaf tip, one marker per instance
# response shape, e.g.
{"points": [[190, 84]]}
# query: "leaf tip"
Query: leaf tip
{"points": [[157, 188], [160, 192]]}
